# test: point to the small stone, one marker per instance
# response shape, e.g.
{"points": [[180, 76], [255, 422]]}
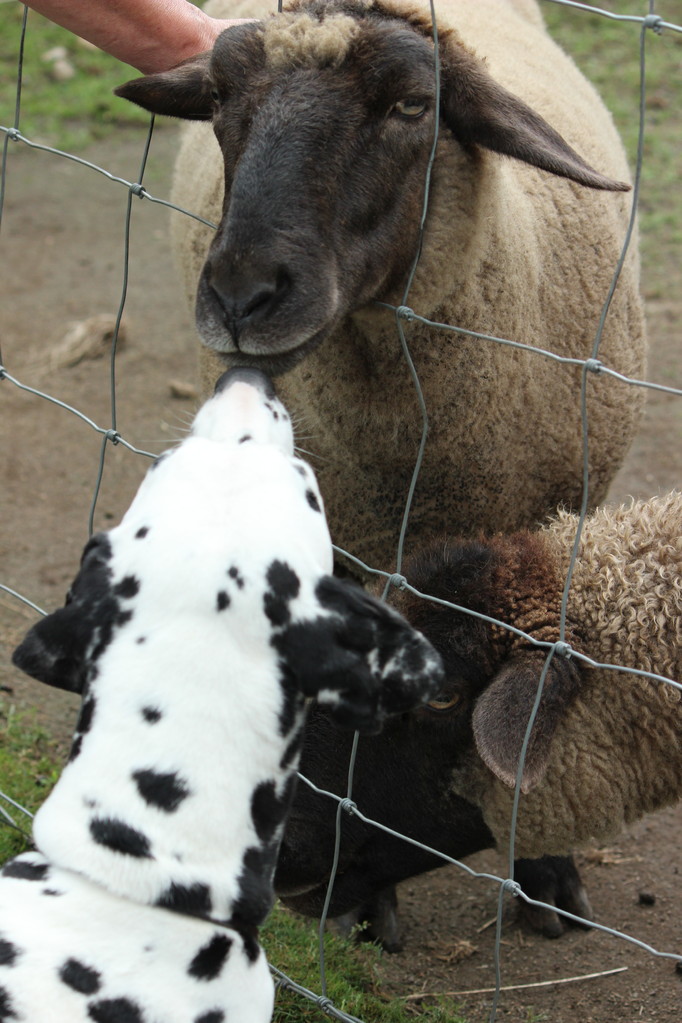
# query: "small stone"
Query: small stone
{"points": [[56, 53], [646, 899], [62, 70], [182, 389]]}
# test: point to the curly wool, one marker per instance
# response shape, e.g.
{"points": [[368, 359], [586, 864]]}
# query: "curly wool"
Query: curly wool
{"points": [[617, 753]]}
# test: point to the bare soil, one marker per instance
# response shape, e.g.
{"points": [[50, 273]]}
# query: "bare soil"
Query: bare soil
{"points": [[61, 245]]}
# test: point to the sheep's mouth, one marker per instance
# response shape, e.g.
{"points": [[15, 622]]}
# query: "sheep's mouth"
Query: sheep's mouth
{"points": [[273, 363]]}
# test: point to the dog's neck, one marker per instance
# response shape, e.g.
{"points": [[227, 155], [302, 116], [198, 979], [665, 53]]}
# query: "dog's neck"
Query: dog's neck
{"points": [[178, 798]]}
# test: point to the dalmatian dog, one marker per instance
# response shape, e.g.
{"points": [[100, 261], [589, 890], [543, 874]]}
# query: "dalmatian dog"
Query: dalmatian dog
{"points": [[196, 631]]}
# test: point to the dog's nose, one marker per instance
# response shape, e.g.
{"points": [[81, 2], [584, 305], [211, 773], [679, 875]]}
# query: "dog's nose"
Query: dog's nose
{"points": [[246, 375]]}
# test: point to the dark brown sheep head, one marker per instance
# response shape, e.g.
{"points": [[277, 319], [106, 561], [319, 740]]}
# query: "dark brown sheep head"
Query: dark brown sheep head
{"points": [[325, 116], [493, 674]]}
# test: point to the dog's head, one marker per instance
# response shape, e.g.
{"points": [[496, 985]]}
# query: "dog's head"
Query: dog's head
{"points": [[234, 473], [227, 537]]}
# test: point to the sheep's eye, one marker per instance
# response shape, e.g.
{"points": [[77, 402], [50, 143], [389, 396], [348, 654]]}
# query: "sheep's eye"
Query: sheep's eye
{"points": [[410, 107], [215, 95], [443, 702]]}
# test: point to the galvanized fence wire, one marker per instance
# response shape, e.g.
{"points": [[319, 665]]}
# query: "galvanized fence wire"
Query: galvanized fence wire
{"points": [[650, 23]]}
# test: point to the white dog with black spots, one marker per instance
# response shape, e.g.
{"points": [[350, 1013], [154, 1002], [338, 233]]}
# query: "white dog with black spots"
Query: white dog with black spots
{"points": [[195, 630]]}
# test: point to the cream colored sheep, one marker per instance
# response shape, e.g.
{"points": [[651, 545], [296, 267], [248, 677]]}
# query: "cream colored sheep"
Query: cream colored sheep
{"points": [[321, 170], [607, 745]]}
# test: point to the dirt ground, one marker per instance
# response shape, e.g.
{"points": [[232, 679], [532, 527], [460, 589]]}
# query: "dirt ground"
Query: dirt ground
{"points": [[61, 246]]}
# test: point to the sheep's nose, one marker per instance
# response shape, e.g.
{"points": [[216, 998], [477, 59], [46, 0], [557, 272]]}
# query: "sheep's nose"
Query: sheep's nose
{"points": [[248, 299]]}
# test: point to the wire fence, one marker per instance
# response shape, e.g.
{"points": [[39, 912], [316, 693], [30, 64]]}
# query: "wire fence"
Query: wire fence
{"points": [[109, 435]]}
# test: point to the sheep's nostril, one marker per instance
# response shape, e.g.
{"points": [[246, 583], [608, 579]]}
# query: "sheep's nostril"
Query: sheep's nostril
{"points": [[248, 302]]}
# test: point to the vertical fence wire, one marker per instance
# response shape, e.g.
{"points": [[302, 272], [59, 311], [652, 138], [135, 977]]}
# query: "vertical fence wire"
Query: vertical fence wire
{"points": [[403, 314]]}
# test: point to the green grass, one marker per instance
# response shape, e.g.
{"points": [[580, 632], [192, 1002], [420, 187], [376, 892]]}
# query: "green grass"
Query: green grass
{"points": [[608, 53], [28, 769], [29, 766], [292, 945], [66, 114]]}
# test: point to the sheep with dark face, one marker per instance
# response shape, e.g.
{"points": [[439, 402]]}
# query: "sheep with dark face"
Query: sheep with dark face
{"points": [[324, 118], [606, 747]]}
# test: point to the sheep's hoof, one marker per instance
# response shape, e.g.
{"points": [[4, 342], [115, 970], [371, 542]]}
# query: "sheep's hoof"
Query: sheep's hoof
{"points": [[556, 881], [376, 920]]}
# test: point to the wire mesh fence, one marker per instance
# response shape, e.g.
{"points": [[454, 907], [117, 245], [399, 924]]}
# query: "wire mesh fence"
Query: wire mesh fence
{"points": [[109, 434]]}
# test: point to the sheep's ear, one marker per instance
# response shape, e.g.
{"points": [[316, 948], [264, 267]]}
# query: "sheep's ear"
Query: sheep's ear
{"points": [[184, 91], [54, 649], [478, 110], [360, 658], [501, 715]]}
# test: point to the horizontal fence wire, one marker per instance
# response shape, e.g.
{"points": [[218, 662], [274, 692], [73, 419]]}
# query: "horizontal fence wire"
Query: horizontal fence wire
{"points": [[646, 24]]}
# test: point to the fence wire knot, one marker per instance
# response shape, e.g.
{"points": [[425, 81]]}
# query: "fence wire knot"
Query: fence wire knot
{"points": [[348, 805], [138, 190], [13, 133], [397, 580], [654, 22], [513, 887], [113, 435], [323, 1003], [563, 649], [404, 312], [3, 372], [593, 365]]}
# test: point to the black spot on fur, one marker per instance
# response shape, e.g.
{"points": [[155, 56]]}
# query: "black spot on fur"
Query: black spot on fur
{"points": [[51, 891], [120, 837], [256, 894], [112, 620], [209, 960], [311, 498], [81, 978], [213, 1016], [140, 640], [223, 600], [268, 808], [115, 1010], [8, 953], [301, 469], [235, 574], [26, 871], [266, 811], [164, 791], [292, 700], [6, 1007], [194, 900], [87, 712], [75, 747], [247, 436], [151, 714], [284, 586], [128, 587], [142, 532]]}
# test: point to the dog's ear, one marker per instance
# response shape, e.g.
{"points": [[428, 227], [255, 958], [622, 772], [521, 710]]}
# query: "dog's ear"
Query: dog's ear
{"points": [[360, 658], [54, 649]]}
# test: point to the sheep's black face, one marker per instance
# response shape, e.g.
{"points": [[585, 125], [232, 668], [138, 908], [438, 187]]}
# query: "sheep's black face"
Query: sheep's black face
{"points": [[325, 153], [401, 780]]}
